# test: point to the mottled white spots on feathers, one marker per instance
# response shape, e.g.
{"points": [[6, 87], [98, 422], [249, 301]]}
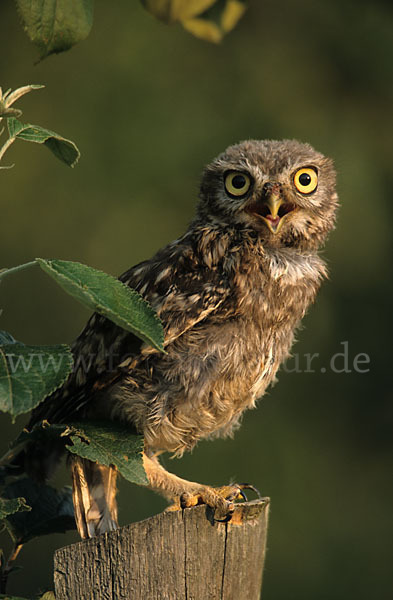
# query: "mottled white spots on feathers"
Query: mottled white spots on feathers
{"points": [[163, 274], [138, 271], [144, 288]]}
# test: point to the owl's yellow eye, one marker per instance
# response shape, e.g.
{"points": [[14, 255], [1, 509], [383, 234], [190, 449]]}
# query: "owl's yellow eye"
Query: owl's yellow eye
{"points": [[237, 184], [306, 180]]}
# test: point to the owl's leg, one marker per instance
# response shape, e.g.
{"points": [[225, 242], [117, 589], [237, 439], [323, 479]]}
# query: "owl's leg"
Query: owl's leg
{"points": [[94, 496], [189, 493]]}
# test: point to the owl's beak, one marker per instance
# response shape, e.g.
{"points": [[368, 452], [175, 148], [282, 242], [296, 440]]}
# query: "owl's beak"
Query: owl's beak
{"points": [[272, 218], [274, 207]]}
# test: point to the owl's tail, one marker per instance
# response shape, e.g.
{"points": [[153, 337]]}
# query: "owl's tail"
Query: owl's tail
{"points": [[94, 496]]}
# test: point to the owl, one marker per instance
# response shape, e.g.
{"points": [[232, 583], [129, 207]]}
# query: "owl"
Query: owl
{"points": [[230, 293]]}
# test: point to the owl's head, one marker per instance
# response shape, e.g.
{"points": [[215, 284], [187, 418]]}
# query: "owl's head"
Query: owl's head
{"points": [[283, 190]]}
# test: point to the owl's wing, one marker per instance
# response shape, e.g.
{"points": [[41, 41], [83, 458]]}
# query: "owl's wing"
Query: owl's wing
{"points": [[182, 292], [181, 297]]}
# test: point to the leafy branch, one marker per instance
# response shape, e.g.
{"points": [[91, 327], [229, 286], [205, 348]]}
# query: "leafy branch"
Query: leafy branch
{"points": [[29, 374], [56, 25], [29, 509], [10, 507], [48, 511], [65, 150]]}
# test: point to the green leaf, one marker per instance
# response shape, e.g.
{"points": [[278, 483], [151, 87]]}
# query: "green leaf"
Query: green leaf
{"points": [[109, 443], [170, 11], [65, 150], [46, 596], [28, 374], [42, 433], [14, 127], [217, 21], [9, 507], [51, 510], [104, 442], [109, 297], [56, 25], [6, 338]]}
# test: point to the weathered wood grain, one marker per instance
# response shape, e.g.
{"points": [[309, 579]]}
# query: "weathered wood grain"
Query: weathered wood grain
{"points": [[180, 555]]}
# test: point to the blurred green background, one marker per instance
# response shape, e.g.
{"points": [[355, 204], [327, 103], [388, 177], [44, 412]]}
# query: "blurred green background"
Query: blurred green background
{"points": [[148, 106]]}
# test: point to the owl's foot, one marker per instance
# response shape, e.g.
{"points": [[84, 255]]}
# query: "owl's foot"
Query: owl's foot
{"points": [[221, 499], [186, 494]]}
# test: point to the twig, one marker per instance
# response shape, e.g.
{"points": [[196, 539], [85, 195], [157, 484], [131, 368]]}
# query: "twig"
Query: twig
{"points": [[6, 145], [6, 570], [4, 272]]}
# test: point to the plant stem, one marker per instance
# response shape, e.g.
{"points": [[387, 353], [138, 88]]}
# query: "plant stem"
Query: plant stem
{"points": [[8, 566], [5, 272], [5, 147]]}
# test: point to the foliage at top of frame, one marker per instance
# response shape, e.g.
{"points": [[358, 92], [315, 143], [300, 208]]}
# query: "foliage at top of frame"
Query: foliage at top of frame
{"points": [[56, 25]]}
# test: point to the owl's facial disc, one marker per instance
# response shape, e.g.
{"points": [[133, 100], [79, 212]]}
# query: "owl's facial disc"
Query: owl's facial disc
{"points": [[272, 208]]}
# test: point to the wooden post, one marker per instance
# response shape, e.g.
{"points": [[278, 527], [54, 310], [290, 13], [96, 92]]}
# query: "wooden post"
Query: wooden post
{"points": [[180, 555]]}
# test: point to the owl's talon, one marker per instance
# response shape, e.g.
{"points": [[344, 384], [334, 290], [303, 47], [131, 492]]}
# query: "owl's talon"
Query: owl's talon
{"points": [[243, 495], [249, 486], [220, 499], [230, 510], [225, 519]]}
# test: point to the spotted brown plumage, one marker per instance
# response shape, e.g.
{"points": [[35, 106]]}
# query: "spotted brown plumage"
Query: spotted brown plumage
{"points": [[230, 293]]}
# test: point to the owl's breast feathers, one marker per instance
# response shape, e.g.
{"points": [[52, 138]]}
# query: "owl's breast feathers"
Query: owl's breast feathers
{"points": [[229, 309]]}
